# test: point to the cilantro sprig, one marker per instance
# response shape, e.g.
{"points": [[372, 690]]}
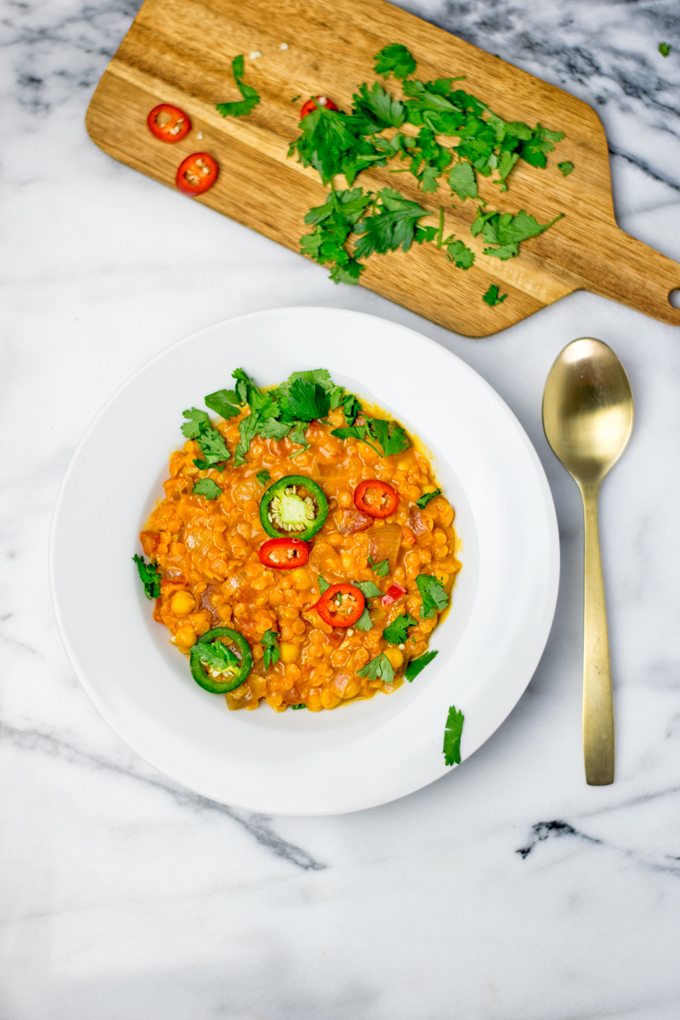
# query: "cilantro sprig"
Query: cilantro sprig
{"points": [[149, 575], [251, 97], [397, 631], [379, 668], [210, 441], [452, 735], [433, 595], [271, 653]]}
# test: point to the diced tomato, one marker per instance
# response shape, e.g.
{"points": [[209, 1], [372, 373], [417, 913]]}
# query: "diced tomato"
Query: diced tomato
{"points": [[376, 498], [314, 103], [197, 173], [168, 123], [341, 605], [393, 594], [284, 553]]}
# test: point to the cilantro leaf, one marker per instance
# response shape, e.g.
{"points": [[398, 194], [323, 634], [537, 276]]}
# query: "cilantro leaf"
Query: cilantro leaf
{"points": [[459, 253], [206, 487], [462, 181], [535, 149], [382, 569], [379, 668], [298, 434], [149, 575], [247, 431], [391, 226], [433, 595], [389, 435], [364, 621], [369, 589], [224, 402], [251, 98], [452, 734], [305, 401], [271, 428], [324, 585], [270, 648], [333, 223], [394, 59], [333, 142], [416, 666], [296, 708], [565, 167], [263, 477], [378, 105], [217, 657], [397, 631], [210, 442], [427, 497], [665, 48], [493, 296], [505, 231]]}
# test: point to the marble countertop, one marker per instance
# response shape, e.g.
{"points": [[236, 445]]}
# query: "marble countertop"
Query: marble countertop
{"points": [[509, 889]]}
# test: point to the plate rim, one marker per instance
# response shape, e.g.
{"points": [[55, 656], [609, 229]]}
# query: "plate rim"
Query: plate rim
{"points": [[548, 507]]}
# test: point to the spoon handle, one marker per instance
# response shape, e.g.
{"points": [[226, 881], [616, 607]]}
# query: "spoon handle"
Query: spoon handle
{"points": [[598, 708]]}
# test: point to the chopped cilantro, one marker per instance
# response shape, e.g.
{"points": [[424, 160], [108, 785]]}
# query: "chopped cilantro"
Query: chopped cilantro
{"points": [[392, 225], [324, 585], [452, 734], [565, 167], [382, 569], [296, 708], [217, 657], [379, 668], [251, 98], [377, 105], [462, 181], [390, 437], [416, 666], [224, 402], [505, 231], [149, 575], [493, 296], [263, 477], [427, 497], [210, 442], [364, 621], [665, 48], [270, 648], [433, 594], [305, 401], [368, 589], [397, 631], [206, 487], [458, 253], [394, 59]]}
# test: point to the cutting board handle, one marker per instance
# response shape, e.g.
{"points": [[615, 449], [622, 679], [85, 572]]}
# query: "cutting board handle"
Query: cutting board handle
{"points": [[619, 266]]}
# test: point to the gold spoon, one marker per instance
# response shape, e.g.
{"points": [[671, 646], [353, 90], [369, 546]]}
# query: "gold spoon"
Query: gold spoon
{"points": [[588, 418]]}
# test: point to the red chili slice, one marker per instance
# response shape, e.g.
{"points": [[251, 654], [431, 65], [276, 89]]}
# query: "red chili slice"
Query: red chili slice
{"points": [[314, 103], [168, 123], [393, 594], [284, 553], [197, 173], [375, 498], [341, 605]]}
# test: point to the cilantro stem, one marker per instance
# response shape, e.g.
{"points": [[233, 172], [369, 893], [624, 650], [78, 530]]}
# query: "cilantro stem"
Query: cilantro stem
{"points": [[440, 231]]}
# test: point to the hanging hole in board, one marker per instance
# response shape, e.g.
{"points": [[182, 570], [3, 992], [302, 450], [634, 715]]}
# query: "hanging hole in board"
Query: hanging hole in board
{"points": [[674, 298]]}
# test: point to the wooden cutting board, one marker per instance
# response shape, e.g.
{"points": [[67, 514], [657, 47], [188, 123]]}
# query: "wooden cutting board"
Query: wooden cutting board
{"points": [[180, 51]]}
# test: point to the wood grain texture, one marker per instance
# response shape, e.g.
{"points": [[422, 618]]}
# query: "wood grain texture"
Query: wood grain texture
{"points": [[179, 51]]}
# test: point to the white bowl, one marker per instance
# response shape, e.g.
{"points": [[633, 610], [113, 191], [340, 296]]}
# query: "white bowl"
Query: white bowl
{"points": [[361, 754]]}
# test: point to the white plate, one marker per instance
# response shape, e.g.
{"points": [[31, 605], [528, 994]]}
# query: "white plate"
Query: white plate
{"points": [[362, 754]]}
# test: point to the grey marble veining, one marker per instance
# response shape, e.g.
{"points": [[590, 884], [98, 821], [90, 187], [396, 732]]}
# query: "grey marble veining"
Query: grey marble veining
{"points": [[507, 890]]}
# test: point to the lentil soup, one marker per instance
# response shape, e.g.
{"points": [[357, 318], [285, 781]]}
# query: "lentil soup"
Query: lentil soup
{"points": [[303, 553]]}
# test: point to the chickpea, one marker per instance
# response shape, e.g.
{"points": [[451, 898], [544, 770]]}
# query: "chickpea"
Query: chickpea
{"points": [[302, 579], [289, 651], [395, 656], [185, 636], [182, 602]]}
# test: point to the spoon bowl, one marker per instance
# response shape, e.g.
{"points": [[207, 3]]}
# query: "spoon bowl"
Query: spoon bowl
{"points": [[588, 419], [587, 409]]}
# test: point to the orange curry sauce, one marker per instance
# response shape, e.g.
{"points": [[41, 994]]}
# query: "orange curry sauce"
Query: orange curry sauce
{"points": [[207, 553]]}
